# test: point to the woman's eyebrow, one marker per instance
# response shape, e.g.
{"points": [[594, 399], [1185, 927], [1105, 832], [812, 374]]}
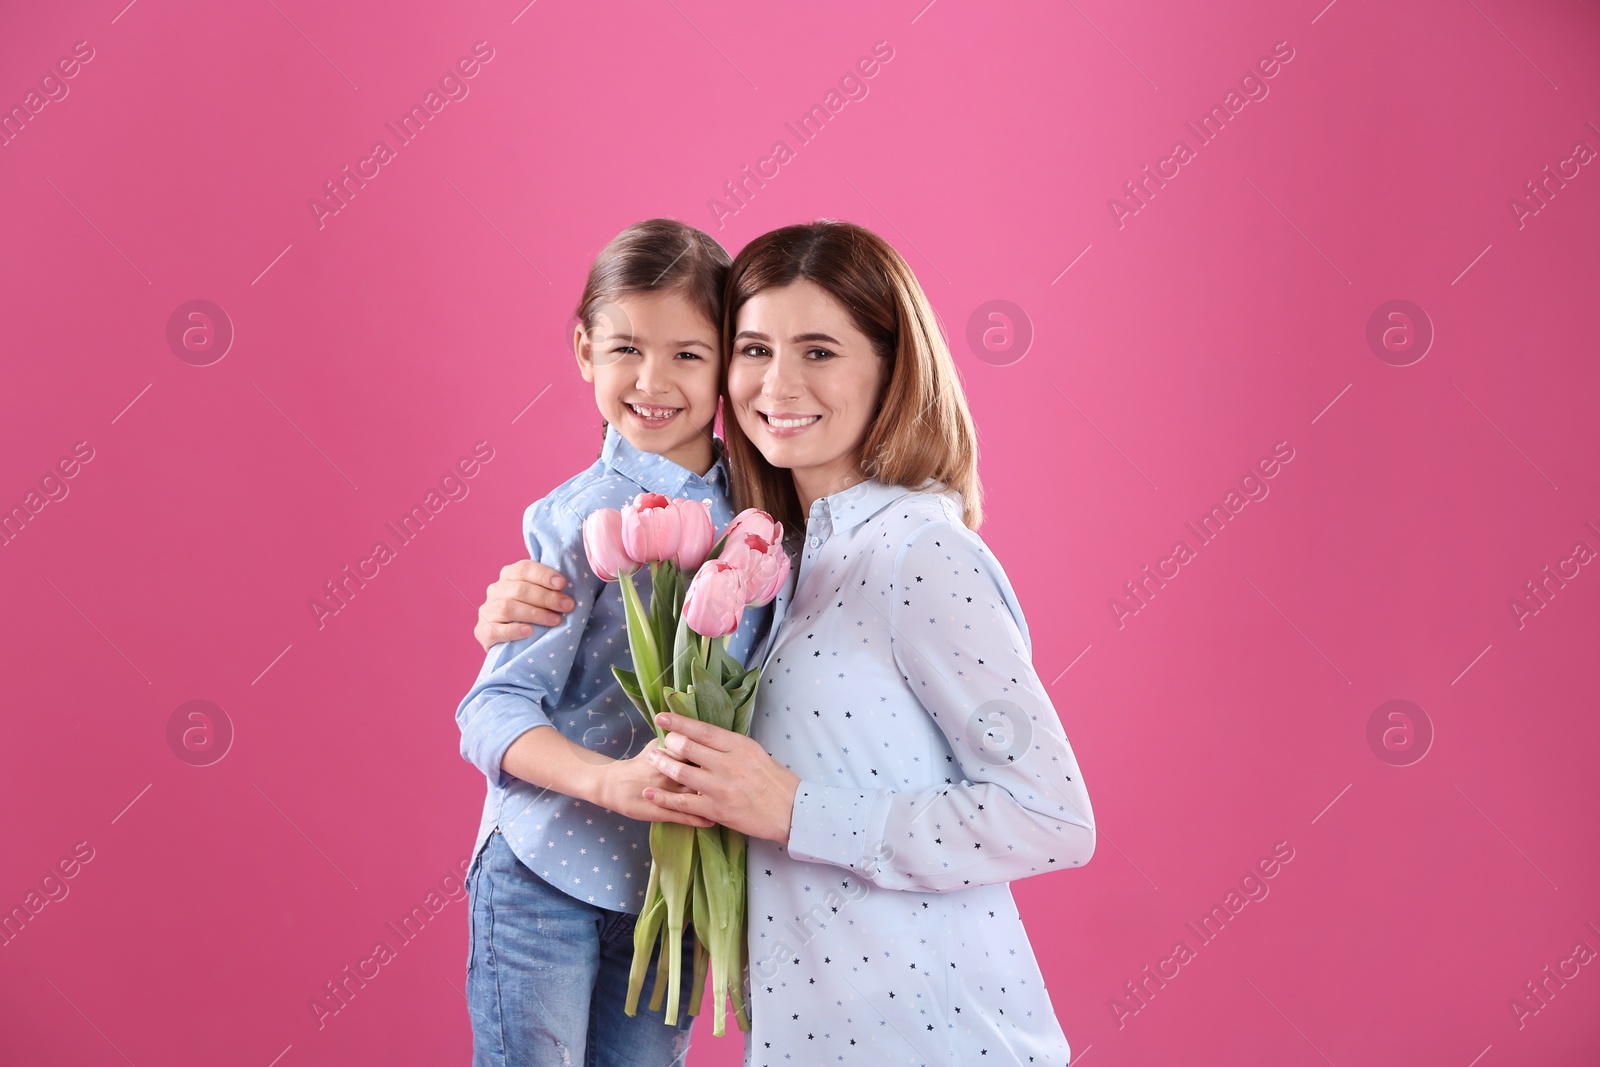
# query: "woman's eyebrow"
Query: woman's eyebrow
{"points": [[797, 337]]}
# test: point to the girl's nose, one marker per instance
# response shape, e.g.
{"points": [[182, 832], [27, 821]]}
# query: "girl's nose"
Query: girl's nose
{"points": [[652, 377]]}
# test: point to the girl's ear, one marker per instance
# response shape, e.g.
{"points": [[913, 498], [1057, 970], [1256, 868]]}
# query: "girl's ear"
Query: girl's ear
{"points": [[584, 352]]}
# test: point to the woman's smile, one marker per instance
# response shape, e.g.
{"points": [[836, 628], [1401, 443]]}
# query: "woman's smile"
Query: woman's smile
{"points": [[787, 424]]}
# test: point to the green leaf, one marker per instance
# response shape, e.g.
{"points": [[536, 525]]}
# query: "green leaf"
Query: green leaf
{"points": [[743, 696], [683, 645], [712, 925], [746, 704], [641, 642], [661, 583], [676, 856], [684, 704], [711, 698], [630, 685], [644, 939]]}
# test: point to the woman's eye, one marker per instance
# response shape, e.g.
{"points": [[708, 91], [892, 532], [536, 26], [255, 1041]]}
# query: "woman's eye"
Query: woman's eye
{"points": [[754, 350], [823, 352]]}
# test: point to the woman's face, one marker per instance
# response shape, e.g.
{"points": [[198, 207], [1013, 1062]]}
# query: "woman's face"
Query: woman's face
{"points": [[805, 385]]}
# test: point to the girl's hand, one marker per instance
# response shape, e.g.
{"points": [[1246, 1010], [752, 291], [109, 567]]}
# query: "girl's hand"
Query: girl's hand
{"points": [[527, 595], [623, 784], [730, 778]]}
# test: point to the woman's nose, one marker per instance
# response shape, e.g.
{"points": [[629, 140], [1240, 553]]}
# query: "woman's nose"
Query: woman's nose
{"points": [[782, 379]]}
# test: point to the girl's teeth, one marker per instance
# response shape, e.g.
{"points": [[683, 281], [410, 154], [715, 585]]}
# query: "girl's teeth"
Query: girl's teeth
{"points": [[653, 413]]}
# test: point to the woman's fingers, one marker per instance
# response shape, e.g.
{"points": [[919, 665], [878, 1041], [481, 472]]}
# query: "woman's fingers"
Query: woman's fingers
{"points": [[712, 737], [520, 603], [696, 778], [687, 803], [490, 634], [688, 749], [527, 594], [662, 812]]}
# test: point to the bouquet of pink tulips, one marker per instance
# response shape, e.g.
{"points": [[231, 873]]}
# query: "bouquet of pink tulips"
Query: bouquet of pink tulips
{"points": [[698, 593]]}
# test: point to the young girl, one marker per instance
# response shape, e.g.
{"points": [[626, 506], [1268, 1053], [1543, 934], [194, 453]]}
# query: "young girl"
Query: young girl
{"points": [[562, 855]]}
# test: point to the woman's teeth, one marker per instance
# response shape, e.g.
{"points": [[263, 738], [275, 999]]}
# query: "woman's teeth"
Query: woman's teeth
{"points": [[789, 424], [654, 414]]}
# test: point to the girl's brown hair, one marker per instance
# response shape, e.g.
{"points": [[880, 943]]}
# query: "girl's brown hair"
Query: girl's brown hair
{"points": [[653, 255], [922, 428]]}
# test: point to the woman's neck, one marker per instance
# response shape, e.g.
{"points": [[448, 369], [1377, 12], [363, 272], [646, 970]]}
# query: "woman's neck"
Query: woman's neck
{"points": [[812, 484]]}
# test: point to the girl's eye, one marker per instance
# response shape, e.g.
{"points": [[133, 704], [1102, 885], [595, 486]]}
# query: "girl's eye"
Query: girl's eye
{"points": [[626, 348], [691, 355]]}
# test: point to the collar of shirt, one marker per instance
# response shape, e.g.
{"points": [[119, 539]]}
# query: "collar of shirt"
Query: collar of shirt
{"points": [[850, 507], [657, 474]]}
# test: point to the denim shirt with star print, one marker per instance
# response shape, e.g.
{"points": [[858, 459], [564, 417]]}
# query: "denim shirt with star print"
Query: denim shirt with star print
{"points": [[561, 676]]}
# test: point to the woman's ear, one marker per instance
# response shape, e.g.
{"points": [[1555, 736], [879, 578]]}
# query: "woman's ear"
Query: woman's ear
{"points": [[584, 351]]}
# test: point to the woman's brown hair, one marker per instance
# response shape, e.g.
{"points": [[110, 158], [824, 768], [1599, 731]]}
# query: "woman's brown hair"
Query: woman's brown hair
{"points": [[922, 428], [653, 255]]}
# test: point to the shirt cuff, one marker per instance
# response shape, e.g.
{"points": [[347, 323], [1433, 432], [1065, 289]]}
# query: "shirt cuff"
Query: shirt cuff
{"points": [[498, 723], [838, 825]]}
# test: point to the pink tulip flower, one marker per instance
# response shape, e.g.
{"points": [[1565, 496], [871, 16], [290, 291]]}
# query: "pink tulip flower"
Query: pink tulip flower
{"points": [[715, 601], [602, 543], [764, 563], [756, 521], [699, 532], [652, 527]]}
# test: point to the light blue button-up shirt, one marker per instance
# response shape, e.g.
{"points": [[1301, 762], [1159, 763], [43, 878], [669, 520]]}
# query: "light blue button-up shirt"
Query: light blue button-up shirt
{"points": [[561, 676], [934, 769]]}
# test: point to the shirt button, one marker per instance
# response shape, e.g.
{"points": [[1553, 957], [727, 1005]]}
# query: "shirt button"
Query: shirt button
{"points": [[816, 542]]}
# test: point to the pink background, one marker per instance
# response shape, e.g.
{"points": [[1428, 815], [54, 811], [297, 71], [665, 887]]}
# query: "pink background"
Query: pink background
{"points": [[1230, 313]]}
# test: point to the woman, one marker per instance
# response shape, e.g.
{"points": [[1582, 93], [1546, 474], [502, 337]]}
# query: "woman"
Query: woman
{"points": [[905, 762]]}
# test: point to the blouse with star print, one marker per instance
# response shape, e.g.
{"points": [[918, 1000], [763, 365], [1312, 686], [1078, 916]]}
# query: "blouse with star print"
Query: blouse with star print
{"points": [[561, 676], [899, 687]]}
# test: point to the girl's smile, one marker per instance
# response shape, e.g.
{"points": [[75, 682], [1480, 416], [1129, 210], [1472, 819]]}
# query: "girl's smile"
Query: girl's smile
{"points": [[653, 359]]}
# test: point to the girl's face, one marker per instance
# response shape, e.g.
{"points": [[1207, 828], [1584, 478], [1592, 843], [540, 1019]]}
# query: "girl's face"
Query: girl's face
{"points": [[805, 385], [653, 359]]}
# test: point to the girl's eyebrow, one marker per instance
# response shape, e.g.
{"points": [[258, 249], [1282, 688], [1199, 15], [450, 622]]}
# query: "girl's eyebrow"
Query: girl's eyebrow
{"points": [[629, 338]]}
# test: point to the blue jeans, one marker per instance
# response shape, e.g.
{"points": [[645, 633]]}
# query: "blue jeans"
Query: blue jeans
{"points": [[547, 976]]}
